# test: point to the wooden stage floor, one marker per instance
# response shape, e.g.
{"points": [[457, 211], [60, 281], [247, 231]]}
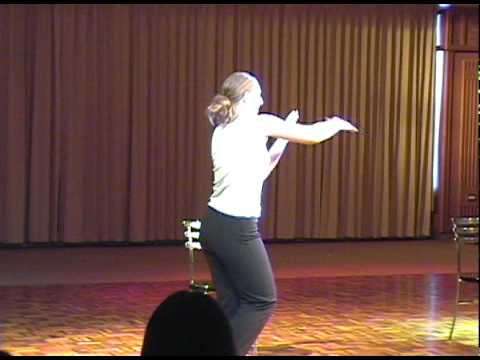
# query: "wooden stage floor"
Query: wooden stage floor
{"points": [[366, 298]]}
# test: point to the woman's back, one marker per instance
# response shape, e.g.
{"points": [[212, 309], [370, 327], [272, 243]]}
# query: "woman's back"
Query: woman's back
{"points": [[240, 162]]}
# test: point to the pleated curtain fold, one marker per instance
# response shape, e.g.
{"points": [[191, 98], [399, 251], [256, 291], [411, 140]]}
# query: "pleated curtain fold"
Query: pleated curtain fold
{"points": [[103, 134]]}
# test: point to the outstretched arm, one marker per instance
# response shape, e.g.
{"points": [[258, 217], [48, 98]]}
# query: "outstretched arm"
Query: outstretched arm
{"points": [[303, 133]]}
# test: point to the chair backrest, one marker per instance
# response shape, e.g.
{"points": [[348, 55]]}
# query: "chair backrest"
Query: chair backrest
{"points": [[192, 233], [194, 224], [465, 229], [192, 228]]}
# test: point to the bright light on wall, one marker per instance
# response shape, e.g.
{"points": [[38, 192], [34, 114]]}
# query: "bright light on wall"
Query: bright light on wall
{"points": [[438, 31], [438, 103]]}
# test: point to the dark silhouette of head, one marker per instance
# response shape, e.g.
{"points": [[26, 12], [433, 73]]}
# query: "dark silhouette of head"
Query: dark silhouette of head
{"points": [[188, 324]]}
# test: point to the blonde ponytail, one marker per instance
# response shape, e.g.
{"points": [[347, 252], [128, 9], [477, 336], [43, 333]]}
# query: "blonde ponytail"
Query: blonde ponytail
{"points": [[223, 108], [220, 111]]}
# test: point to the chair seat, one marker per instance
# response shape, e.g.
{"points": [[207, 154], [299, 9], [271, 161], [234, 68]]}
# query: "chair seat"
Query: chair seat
{"points": [[471, 240], [193, 245], [467, 302], [470, 279], [203, 287]]}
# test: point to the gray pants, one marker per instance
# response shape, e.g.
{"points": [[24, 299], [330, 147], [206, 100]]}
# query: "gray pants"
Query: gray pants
{"points": [[241, 273]]}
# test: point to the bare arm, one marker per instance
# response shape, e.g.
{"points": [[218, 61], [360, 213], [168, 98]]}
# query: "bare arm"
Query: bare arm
{"points": [[276, 151], [303, 133], [278, 147], [289, 130]]}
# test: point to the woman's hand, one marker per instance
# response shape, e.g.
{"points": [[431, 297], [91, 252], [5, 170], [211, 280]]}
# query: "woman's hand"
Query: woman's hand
{"points": [[341, 124], [292, 117]]}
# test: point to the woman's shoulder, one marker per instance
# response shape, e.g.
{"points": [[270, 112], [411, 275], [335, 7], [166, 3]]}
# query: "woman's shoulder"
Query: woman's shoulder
{"points": [[267, 116], [246, 126], [268, 121]]}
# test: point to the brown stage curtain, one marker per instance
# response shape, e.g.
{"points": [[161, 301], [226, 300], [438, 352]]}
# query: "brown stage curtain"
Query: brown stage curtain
{"points": [[103, 135]]}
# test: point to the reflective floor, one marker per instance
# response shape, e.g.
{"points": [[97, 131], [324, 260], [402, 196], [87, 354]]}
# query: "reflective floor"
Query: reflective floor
{"points": [[351, 315]]}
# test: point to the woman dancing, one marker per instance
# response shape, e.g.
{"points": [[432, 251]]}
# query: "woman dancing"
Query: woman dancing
{"points": [[237, 259]]}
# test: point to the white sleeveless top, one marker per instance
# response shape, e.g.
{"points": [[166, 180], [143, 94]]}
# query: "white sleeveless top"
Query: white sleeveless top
{"points": [[240, 164]]}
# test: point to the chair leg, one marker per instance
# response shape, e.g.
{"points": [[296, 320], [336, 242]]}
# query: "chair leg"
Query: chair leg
{"points": [[192, 266], [457, 298]]}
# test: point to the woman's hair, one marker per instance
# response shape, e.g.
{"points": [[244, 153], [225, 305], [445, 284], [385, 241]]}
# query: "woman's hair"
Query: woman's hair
{"points": [[188, 324], [222, 109]]}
